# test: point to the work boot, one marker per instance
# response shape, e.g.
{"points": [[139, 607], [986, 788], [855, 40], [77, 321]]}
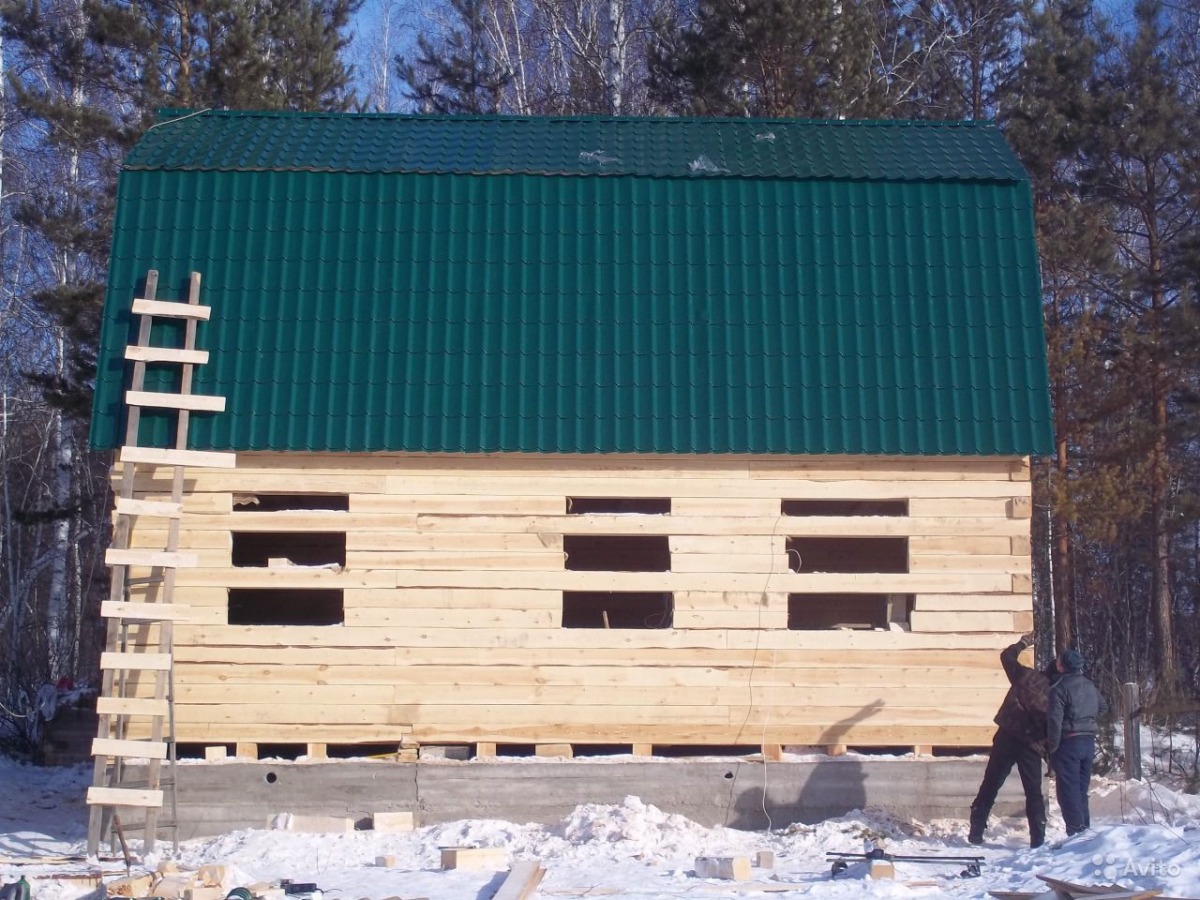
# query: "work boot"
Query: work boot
{"points": [[1037, 834], [978, 823]]}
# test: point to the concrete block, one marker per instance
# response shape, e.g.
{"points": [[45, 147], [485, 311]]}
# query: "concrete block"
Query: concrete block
{"points": [[211, 754], [387, 861], [765, 859], [474, 858], [439, 751], [731, 868], [881, 868], [204, 893], [392, 821]]}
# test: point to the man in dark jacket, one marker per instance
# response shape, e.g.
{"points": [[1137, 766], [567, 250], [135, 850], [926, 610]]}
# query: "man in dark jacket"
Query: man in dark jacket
{"points": [[1074, 706], [1020, 740]]}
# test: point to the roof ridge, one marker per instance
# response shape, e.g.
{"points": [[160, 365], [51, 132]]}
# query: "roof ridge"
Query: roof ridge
{"points": [[167, 115]]}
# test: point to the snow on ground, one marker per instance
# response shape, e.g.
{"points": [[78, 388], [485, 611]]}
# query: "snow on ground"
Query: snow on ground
{"points": [[1144, 836]]}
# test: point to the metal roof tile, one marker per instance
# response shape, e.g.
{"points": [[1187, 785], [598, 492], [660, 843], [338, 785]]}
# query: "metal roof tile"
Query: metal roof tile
{"points": [[837, 293]]}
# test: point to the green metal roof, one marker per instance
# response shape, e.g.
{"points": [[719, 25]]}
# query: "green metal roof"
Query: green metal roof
{"points": [[585, 285]]}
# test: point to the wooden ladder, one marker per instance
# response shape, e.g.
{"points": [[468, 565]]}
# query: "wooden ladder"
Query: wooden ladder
{"points": [[125, 669]]}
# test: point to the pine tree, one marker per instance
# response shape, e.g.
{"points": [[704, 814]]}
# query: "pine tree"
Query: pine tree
{"points": [[458, 73], [1140, 164], [1046, 112], [787, 58]]}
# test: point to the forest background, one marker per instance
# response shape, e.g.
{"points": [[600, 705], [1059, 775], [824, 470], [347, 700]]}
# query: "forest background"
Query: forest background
{"points": [[1101, 103]]}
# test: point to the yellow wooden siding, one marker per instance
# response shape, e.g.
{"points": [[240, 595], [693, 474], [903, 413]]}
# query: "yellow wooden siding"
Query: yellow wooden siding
{"points": [[452, 596]]}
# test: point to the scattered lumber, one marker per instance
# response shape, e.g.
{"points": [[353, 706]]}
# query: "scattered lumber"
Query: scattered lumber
{"points": [[473, 858], [522, 881], [731, 868]]}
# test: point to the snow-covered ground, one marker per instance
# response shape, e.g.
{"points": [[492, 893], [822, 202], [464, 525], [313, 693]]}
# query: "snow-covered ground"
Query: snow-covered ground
{"points": [[1145, 835]]}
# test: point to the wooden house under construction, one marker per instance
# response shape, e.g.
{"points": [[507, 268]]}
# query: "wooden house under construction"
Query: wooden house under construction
{"points": [[553, 434]]}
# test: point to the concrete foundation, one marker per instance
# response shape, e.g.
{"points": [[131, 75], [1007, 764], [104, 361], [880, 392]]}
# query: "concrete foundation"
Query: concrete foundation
{"points": [[738, 793]]}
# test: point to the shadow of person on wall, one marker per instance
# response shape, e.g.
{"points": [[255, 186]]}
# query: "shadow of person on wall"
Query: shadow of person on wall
{"points": [[763, 796]]}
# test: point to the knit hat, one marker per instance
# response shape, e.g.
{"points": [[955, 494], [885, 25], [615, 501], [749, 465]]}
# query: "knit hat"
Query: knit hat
{"points": [[1072, 661]]}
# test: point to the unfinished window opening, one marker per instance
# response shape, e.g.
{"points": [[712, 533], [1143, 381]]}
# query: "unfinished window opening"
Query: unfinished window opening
{"points": [[617, 609], [285, 502], [274, 549], [617, 552], [831, 612], [845, 507], [887, 555], [642, 506], [285, 606]]}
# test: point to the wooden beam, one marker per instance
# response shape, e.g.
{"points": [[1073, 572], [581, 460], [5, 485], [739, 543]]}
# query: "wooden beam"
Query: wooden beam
{"points": [[115, 556], [171, 309], [102, 796], [204, 459], [145, 612], [163, 400], [129, 749], [166, 354], [131, 706], [165, 509], [136, 662], [522, 881]]}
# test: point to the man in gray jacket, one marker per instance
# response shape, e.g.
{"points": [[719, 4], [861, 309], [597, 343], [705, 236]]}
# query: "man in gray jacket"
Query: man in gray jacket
{"points": [[1074, 706]]}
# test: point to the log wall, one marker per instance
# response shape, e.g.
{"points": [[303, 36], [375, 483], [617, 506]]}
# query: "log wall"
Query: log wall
{"points": [[452, 602]]}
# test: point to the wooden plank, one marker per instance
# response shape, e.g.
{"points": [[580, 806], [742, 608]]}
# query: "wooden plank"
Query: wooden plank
{"points": [[106, 796], [208, 459], [522, 881], [972, 602], [965, 562], [376, 732], [762, 563], [811, 583], [825, 526], [165, 400], [128, 506], [725, 506], [480, 543], [151, 558], [166, 355], [136, 662], [961, 507], [730, 619], [948, 622], [171, 309], [924, 647], [131, 706], [505, 561], [293, 576], [129, 749], [382, 617], [145, 612]]}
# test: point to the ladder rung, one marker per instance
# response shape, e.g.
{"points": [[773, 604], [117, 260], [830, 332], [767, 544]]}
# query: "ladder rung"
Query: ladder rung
{"points": [[106, 796], [131, 706], [115, 556], [138, 662], [165, 400], [171, 308], [145, 612], [164, 456], [149, 579], [127, 506], [166, 354], [129, 749]]}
